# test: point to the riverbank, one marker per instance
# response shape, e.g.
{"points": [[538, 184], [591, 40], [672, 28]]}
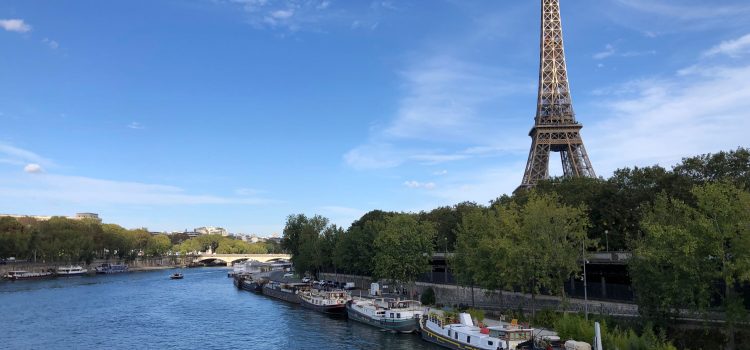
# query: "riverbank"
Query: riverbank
{"points": [[137, 265]]}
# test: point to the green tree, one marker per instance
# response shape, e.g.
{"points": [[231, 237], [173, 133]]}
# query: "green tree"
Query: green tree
{"points": [[355, 249], [302, 238], [544, 244], [404, 248], [479, 248], [686, 250], [158, 245]]}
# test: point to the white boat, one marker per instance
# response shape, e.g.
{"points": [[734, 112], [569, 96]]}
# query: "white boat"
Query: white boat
{"points": [[465, 335], [387, 313], [71, 271], [26, 275], [107, 268]]}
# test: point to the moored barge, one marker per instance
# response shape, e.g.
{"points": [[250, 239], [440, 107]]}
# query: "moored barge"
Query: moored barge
{"points": [[387, 313], [284, 291], [327, 302]]}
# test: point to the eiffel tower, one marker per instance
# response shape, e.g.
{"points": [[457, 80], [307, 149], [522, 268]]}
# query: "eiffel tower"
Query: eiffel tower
{"points": [[555, 126]]}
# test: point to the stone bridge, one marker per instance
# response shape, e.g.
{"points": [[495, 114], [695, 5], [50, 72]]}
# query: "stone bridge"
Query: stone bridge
{"points": [[232, 258]]}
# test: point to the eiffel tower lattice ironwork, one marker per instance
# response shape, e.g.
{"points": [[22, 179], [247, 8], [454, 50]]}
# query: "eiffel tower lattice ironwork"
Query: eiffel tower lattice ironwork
{"points": [[555, 127]]}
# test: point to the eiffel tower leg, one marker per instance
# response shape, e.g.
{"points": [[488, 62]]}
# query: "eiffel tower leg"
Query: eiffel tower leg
{"points": [[537, 167]]}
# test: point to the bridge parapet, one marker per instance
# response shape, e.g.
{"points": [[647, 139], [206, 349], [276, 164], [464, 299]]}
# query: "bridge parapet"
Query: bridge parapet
{"points": [[231, 258]]}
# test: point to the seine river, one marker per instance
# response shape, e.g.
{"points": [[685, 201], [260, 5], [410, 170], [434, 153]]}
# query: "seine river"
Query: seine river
{"points": [[148, 310]]}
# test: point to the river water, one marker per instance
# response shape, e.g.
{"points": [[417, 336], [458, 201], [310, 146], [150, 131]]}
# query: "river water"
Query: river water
{"points": [[147, 310]]}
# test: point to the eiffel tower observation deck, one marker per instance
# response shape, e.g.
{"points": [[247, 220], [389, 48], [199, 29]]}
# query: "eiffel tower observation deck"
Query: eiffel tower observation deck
{"points": [[555, 126]]}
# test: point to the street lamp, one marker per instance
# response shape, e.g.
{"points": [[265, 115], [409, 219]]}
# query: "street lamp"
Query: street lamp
{"points": [[585, 290], [606, 235]]}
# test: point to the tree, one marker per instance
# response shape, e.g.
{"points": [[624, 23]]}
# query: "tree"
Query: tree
{"points": [[543, 245], [355, 249], [158, 245], [687, 249], [478, 247], [302, 238], [404, 248]]}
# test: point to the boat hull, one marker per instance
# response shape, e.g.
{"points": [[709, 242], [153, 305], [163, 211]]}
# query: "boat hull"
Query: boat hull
{"points": [[279, 294], [251, 286], [72, 274], [336, 310], [407, 325], [443, 341], [39, 277]]}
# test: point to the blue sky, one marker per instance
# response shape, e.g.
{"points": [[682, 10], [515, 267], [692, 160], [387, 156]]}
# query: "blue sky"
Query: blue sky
{"points": [[176, 114]]}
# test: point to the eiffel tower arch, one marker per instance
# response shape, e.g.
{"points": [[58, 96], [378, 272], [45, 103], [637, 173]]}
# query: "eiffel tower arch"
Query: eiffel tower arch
{"points": [[555, 127]]}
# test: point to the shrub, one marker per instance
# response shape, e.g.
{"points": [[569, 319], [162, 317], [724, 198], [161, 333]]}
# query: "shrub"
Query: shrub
{"points": [[428, 297]]}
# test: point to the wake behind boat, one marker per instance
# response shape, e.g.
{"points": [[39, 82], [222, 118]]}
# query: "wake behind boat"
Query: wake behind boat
{"points": [[386, 313]]}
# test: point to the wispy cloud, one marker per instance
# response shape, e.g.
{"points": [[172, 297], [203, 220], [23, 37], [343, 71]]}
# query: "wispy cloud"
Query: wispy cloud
{"points": [[733, 48], [289, 15], [687, 10], [417, 184], [92, 191], [135, 126], [444, 98], [52, 44], [15, 25], [19, 156], [660, 120], [609, 50]]}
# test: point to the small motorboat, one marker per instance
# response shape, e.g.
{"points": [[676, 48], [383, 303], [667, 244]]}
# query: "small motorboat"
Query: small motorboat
{"points": [[176, 276]]}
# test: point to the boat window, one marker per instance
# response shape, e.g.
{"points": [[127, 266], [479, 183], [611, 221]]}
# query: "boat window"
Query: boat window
{"points": [[449, 333], [391, 314], [489, 342], [398, 315], [468, 339], [456, 336]]}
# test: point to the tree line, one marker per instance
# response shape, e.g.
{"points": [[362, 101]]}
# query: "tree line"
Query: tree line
{"points": [[688, 229], [61, 239]]}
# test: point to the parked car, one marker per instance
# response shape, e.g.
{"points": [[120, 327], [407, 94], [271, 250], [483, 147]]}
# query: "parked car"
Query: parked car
{"points": [[288, 275], [306, 280]]}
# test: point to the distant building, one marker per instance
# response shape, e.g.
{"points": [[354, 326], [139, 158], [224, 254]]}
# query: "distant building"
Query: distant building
{"points": [[78, 216], [211, 230]]}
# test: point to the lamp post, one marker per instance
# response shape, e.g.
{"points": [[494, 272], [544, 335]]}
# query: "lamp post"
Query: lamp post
{"points": [[606, 235], [585, 290]]}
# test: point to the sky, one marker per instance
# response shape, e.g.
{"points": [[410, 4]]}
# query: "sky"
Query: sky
{"points": [[176, 114]]}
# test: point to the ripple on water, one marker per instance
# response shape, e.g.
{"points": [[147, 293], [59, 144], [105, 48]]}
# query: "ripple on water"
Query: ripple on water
{"points": [[147, 310]]}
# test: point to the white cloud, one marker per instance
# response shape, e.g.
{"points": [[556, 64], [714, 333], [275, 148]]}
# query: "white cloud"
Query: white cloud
{"points": [[282, 14], [609, 50], [33, 168], [444, 99], [19, 156], [440, 172], [51, 43], [135, 126], [733, 48], [698, 110], [417, 184], [91, 191], [247, 192], [14, 25], [290, 15], [686, 11]]}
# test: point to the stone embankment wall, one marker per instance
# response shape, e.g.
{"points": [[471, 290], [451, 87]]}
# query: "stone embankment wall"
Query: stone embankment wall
{"points": [[135, 265], [497, 301]]}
